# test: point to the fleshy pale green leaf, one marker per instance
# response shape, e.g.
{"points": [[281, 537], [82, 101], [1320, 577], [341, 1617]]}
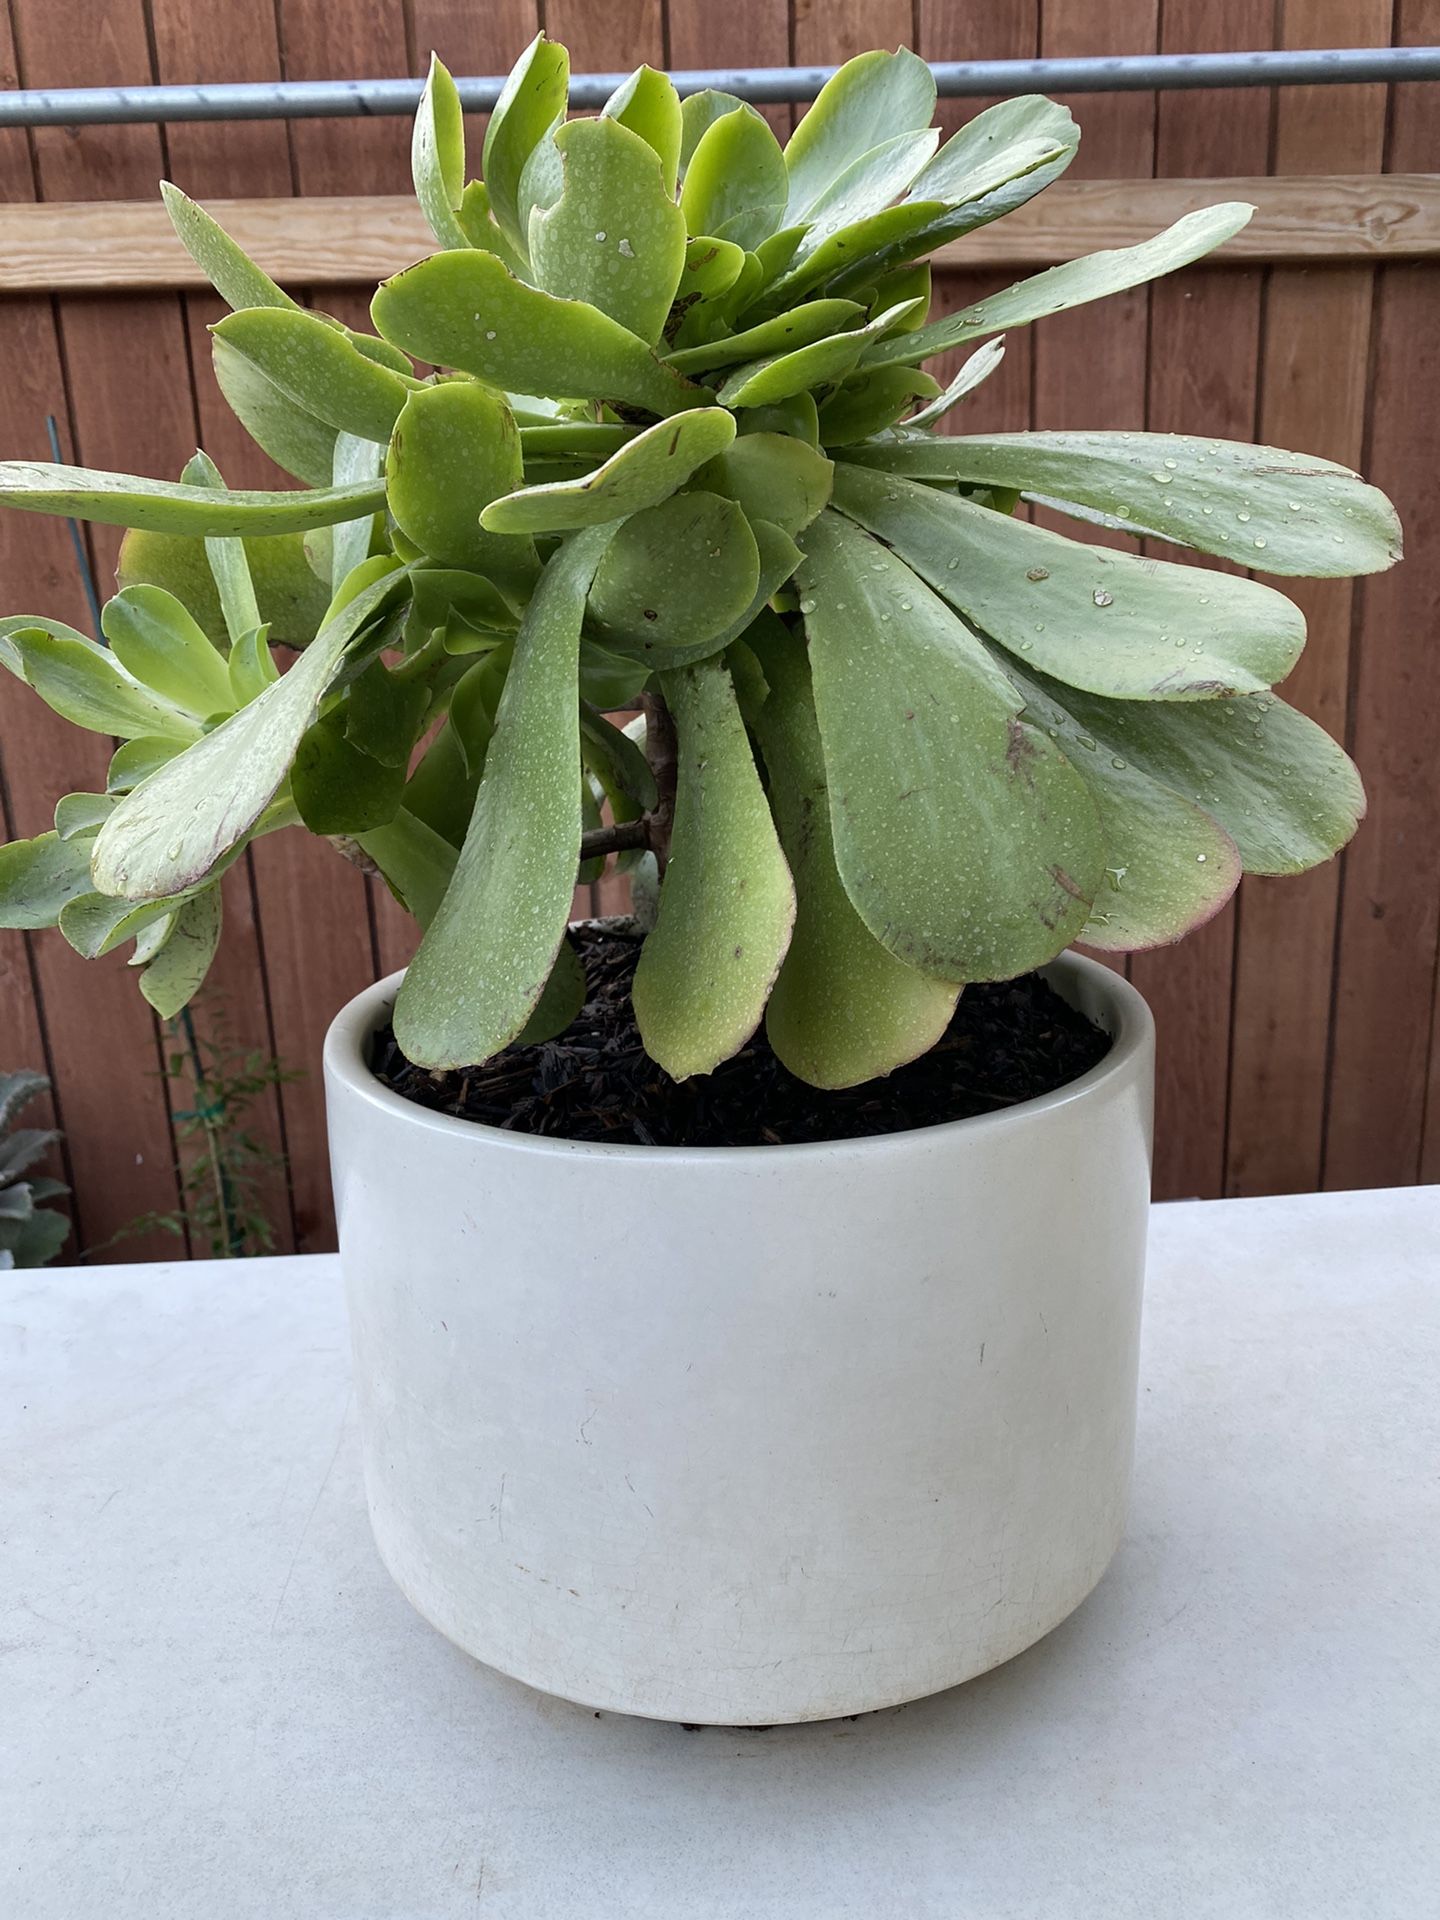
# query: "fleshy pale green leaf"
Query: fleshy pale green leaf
{"points": [[867, 186], [764, 382], [735, 183], [648, 104], [1111, 622], [969, 846], [81, 813], [615, 237], [485, 960], [319, 369], [530, 104], [168, 834], [617, 760], [178, 970], [437, 156], [95, 924], [40, 877], [711, 268], [167, 506], [1074, 283], [645, 471], [415, 862], [465, 310], [844, 1009], [1282, 789], [562, 999], [226, 559], [817, 320], [154, 638], [135, 760], [290, 598], [676, 574], [456, 448], [1169, 866], [870, 100], [228, 268], [384, 713], [86, 685], [356, 460], [336, 787], [872, 400], [773, 477], [1285, 513], [698, 113], [976, 370], [293, 438], [251, 666], [727, 903]]}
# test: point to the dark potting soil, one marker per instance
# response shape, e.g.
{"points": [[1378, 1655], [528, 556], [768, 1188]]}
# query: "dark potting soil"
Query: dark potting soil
{"points": [[1007, 1043]]}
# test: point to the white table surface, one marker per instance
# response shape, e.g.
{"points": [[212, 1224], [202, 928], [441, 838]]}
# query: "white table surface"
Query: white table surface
{"points": [[213, 1703]]}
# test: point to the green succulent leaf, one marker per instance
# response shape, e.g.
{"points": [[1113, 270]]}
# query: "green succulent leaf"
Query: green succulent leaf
{"points": [[155, 639], [871, 99], [736, 185], [437, 156], [167, 506], [762, 383], [698, 113], [228, 268], [648, 104], [1074, 284], [290, 599], [610, 680], [973, 373], [969, 846], [617, 761], [339, 789], [229, 568], [1118, 625], [867, 187], [562, 999], [676, 574], [319, 369], [88, 686], [800, 327], [94, 924], [727, 902], [645, 471], [293, 438], [1281, 788], [1169, 866], [176, 974], [466, 310], [485, 960], [251, 666], [135, 760], [1285, 513], [615, 237], [990, 166], [711, 268], [843, 1009], [531, 103], [40, 877], [384, 714], [456, 447], [82, 813], [416, 863], [169, 833], [773, 477], [870, 401]]}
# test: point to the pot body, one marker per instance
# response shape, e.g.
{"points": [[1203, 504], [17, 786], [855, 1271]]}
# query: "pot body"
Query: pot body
{"points": [[748, 1435]]}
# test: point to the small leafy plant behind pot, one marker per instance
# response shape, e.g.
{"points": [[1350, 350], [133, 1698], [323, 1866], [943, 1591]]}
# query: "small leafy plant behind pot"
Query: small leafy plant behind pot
{"points": [[31, 1231], [681, 448]]}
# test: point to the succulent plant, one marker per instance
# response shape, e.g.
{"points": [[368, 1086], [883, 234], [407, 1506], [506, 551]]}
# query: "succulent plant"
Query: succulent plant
{"points": [[680, 450], [31, 1233]]}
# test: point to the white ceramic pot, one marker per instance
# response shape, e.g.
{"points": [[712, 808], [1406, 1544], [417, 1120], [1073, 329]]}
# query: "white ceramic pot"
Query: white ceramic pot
{"points": [[748, 1435]]}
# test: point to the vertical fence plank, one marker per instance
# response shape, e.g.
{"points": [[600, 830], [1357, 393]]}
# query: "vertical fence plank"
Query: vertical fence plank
{"points": [[737, 33], [953, 30], [214, 160], [1313, 387], [1384, 1019], [1203, 371], [128, 406]]}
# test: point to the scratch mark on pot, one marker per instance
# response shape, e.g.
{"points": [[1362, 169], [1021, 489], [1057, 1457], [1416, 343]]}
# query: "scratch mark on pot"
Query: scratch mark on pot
{"points": [[584, 1424], [499, 1508], [982, 1353]]}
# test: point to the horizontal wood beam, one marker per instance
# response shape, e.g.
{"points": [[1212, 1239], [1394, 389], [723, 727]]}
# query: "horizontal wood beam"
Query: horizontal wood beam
{"points": [[121, 245]]}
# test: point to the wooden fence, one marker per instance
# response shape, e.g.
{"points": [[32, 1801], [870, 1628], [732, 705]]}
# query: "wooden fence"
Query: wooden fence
{"points": [[1298, 1037]]}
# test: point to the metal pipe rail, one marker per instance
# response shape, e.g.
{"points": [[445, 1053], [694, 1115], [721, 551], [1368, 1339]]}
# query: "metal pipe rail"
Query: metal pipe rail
{"points": [[355, 99]]}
